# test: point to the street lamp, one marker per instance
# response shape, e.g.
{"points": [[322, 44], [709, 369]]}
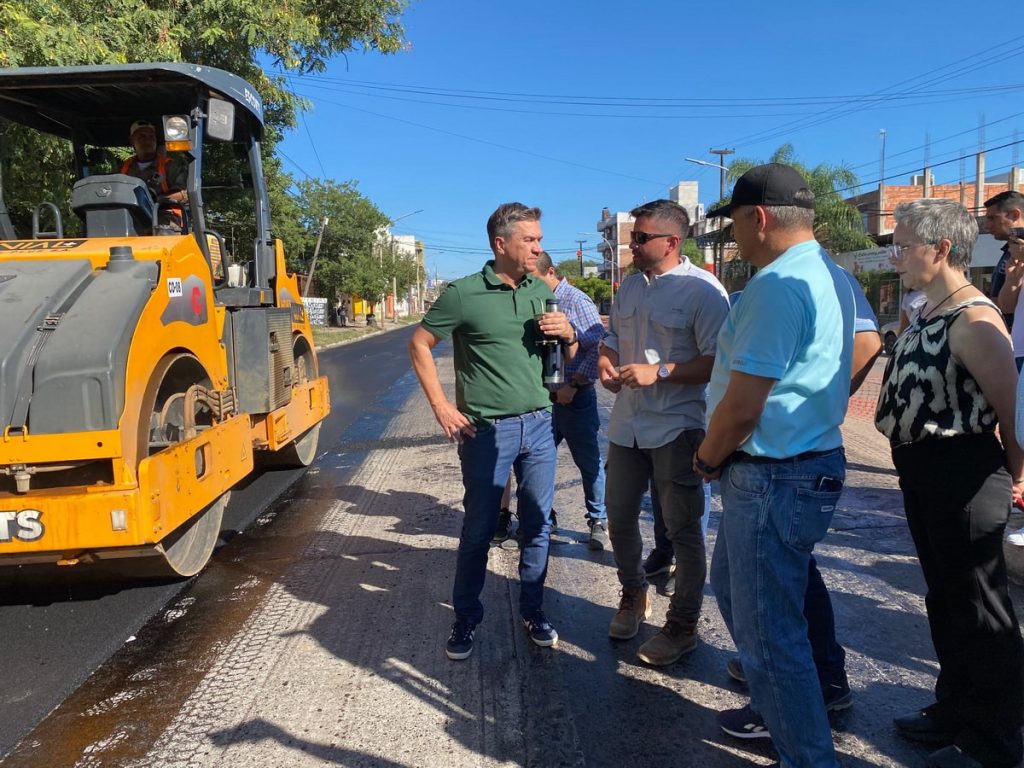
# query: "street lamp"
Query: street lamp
{"points": [[613, 256], [719, 266], [394, 279]]}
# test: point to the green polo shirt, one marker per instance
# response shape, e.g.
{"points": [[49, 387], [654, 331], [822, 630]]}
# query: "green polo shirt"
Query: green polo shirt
{"points": [[498, 364]]}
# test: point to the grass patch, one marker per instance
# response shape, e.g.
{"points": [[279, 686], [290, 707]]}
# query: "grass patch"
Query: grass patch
{"points": [[323, 337]]}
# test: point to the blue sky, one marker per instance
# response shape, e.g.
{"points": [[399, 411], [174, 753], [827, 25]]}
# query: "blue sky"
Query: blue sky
{"points": [[574, 106]]}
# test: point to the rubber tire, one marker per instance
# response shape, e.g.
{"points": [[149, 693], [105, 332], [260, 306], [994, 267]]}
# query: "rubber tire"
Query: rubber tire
{"points": [[890, 342]]}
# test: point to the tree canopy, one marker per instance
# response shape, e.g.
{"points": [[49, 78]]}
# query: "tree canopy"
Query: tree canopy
{"points": [[837, 224], [571, 267], [299, 36], [240, 36]]}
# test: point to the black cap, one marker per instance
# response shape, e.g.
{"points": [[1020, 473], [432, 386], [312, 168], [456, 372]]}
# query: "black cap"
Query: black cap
{"points": [[770, 184]]}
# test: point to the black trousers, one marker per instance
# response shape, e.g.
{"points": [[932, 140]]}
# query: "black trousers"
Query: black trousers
{"points": [[956, 492]]}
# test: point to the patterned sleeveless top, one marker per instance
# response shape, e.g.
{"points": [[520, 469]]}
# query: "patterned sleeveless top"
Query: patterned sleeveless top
{"points": [[926, 391]]}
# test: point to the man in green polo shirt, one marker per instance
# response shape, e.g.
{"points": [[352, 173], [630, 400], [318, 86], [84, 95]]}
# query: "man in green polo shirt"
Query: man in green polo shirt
{"points": [[501, 418]]}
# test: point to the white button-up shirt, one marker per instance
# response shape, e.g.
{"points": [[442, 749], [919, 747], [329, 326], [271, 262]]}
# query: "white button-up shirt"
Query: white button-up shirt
{"points": [[672, 318]]}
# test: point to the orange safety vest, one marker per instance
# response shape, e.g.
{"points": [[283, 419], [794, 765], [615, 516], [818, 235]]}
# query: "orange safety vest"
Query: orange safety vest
{"points": [[165, 188]]}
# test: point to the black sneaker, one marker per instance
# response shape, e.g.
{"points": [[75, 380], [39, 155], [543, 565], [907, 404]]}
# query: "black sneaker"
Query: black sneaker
{"points": [[540, 629], [504, 526], [735, 669], [743, 723], [598, 535], [460, 641], [659, 562], [837, 697]]}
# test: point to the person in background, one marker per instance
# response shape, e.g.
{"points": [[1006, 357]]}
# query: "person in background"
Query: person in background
{"points": [[910, 306], [949, 383], [1004, 213], [574, 415]]}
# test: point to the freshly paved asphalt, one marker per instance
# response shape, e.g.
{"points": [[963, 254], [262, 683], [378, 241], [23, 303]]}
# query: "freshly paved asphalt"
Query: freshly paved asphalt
{"points": [[317, 636], [57, 628]]}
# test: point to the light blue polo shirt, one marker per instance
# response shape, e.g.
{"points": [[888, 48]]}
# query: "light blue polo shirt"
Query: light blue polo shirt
{"points": [[795, 324]]}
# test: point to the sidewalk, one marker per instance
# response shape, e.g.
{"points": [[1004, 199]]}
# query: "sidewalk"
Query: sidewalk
{"points": [[342, 662]]}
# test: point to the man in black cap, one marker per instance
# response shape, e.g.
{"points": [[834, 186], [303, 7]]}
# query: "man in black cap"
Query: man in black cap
{"points": [[778, 394]]}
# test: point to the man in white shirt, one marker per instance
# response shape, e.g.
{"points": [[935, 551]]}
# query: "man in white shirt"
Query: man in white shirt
{"points": [[658, 357]]}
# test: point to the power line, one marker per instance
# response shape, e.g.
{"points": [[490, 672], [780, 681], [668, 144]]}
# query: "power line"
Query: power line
{"points": [[834, 113], [497, 144], [633, 102]]}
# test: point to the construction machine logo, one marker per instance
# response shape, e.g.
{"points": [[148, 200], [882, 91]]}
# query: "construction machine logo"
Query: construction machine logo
{"points": [[186, 301], [39, 245], [23, 525]]}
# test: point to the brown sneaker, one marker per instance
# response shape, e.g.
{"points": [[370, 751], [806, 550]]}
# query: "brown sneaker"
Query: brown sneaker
{"points": [[634, 607], [674, 639]]}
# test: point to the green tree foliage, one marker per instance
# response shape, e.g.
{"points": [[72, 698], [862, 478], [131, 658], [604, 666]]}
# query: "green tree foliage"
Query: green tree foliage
{"points": [[692, 252], [350, 246], [571, 267], [596, 288], [837, 224], [240, 36]]}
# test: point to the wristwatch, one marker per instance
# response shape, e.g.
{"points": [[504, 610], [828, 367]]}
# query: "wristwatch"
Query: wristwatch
{"points": [[703, 467], [663, 372]]}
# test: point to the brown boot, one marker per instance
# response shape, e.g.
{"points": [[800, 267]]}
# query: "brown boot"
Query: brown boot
{"points": [[633, 609], [674, 639]]}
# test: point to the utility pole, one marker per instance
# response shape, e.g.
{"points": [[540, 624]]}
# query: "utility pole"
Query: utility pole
{"points": [[720, 266], [316, 252], [579, 254]]}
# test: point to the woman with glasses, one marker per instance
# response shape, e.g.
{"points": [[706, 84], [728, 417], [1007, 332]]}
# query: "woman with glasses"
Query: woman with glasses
{"points": [[951, 379]]}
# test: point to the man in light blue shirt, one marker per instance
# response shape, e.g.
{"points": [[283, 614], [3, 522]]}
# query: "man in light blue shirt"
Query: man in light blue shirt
{"points": [[778, 394]]}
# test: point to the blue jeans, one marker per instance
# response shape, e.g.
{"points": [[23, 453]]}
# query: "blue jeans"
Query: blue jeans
{"points": [[522, 444], [578, 424], [773, 515]]}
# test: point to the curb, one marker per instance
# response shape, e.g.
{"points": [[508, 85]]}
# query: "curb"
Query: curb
{"points": [[366, 335]]}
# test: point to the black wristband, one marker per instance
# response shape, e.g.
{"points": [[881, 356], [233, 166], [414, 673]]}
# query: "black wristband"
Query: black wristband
{"points": [[574, 340], [703, 466]]}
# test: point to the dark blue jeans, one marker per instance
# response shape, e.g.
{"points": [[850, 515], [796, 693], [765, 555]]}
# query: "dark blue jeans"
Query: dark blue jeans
{"points": [[773, 515], [523, 444], [578, 424]]}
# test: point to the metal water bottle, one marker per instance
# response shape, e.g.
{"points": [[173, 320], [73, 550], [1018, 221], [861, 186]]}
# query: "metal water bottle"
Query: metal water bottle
{"points": [[551, 352]]}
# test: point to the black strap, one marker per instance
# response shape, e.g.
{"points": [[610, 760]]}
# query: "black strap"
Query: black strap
{"points": [[44, 330]]}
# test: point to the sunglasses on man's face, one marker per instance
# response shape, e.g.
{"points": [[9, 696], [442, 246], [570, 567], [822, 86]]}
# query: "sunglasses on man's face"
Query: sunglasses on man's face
{"points": [[642, 238]]}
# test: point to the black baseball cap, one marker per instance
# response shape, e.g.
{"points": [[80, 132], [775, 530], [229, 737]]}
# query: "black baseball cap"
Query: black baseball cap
{"points": [[769, 184]]}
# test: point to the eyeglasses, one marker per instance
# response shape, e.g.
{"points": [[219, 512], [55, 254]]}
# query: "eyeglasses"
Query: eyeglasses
{"points": [[642, 238], [898, 252]]}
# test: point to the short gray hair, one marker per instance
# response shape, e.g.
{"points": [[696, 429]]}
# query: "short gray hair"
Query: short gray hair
{"points": [[932, 220], [544, 262], [790, 217], [505, 217]]}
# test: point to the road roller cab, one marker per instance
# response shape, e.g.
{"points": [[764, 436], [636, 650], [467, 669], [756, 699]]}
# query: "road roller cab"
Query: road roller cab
{"points": [[148, 362]]}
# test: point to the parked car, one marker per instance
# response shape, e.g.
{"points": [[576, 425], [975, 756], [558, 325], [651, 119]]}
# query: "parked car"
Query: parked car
{"points": [[890, 331]]}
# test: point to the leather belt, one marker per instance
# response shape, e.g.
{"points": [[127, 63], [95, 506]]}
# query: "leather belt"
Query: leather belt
{"points": [[746, 457]]}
